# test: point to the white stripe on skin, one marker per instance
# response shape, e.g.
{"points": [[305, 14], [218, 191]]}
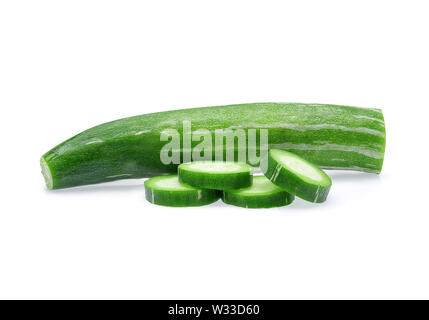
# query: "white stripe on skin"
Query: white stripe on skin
{"points": [[120, 175], [95, 141], [141, 132], [329, 147], [276, 172], [352, 168], [307, 127], [369, 118], [317, 193]]}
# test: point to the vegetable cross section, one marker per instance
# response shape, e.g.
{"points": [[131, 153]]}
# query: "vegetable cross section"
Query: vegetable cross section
{"points": [[217, 175], [297, 176]]}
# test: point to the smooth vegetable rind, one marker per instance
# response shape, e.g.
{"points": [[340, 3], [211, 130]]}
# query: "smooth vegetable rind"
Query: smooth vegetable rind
{"points": [[294, 183], [330, 136], [271, 197], [178, 197]]}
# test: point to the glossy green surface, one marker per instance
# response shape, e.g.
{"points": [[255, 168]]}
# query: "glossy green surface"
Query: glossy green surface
{"points": [[168, 191], [297, 176], [331, 136], [262, 194]]}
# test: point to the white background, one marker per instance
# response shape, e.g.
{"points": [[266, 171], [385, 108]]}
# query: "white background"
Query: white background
{"points": [[68, 65]]}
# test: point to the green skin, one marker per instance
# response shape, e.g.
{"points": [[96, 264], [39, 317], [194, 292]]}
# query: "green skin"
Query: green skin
{"points": [[297, 184], [272, 197], [130, 147], [216, 180], [190, 197]]}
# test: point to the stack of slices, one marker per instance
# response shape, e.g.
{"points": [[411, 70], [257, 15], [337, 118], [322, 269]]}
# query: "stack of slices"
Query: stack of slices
{"points": [[204, 182]]}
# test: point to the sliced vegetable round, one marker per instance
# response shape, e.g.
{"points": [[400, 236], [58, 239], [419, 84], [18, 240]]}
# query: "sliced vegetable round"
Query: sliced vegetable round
{"points": [[262, 194], [168, 191], [297, 176], [220, 175]]}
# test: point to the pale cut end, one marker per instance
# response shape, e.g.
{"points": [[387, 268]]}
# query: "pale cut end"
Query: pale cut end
{"points": [[46, 173]]}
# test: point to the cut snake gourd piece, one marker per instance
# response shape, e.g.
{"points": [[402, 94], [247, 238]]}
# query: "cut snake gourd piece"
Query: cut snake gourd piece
{"points": [[168, 191], [262, 194], [219, 175], [297, 176]]}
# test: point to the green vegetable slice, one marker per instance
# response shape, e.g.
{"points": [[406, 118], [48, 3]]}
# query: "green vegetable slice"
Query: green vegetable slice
{"points": [[297, 176], [262, 194], [168, 191], [219, 175]]}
